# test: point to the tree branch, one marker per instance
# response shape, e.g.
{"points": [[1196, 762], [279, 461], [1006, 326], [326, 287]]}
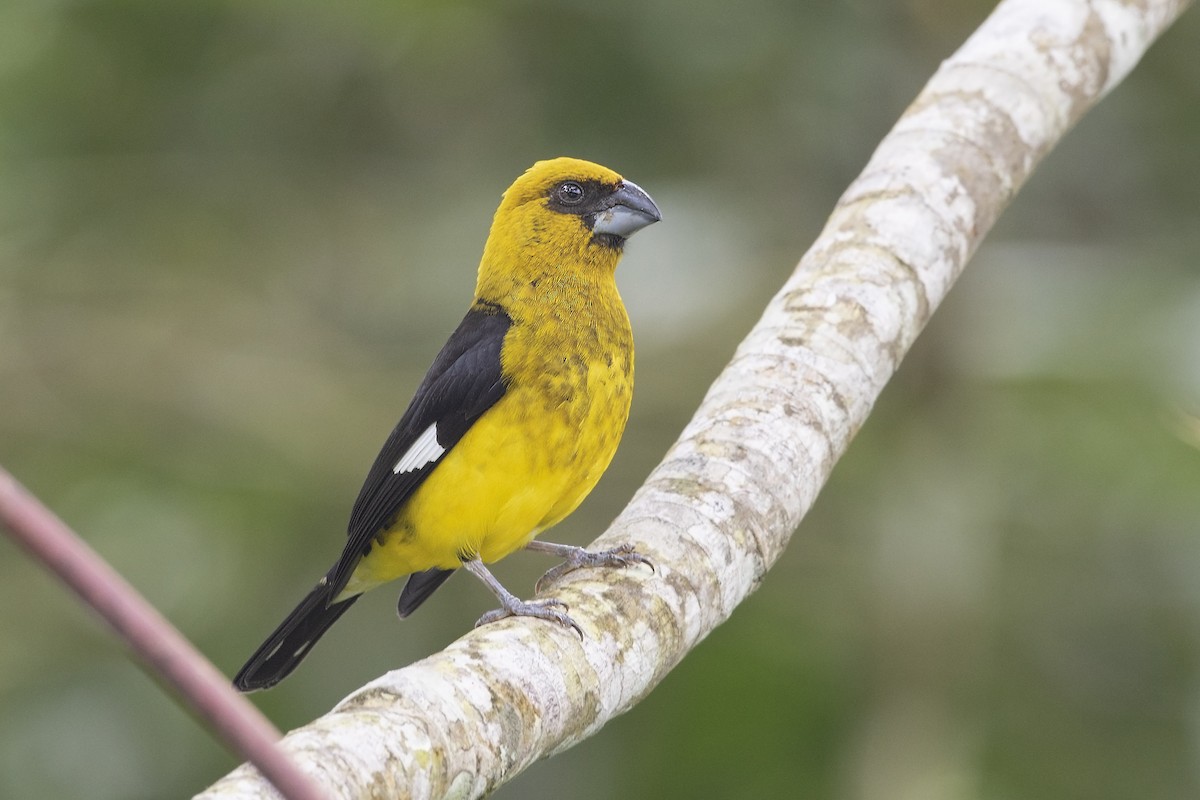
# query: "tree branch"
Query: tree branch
{"points": [[721, 507], [168, 656]]}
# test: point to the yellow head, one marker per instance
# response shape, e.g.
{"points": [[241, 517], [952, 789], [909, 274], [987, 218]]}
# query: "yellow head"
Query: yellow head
{"points": [[565, 217]]}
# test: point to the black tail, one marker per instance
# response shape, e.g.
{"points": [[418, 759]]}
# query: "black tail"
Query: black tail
{"points": [[284, 649]]}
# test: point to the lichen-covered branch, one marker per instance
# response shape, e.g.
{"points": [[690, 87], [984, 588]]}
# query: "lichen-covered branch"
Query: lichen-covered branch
{"points": [[719, 510]]}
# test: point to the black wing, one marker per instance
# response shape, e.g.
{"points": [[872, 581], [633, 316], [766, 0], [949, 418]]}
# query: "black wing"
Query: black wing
{"points": [[418, 588], [464, 381]]}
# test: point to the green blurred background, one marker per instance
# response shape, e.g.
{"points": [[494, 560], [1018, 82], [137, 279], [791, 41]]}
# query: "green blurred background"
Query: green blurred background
{"points": [[233, 235]]}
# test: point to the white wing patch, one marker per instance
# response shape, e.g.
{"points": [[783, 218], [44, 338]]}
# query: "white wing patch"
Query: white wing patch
{"points": [[425, 450]]}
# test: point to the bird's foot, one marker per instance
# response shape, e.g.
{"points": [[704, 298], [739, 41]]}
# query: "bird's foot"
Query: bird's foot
{"points": [[547, 609], [577, 557]]}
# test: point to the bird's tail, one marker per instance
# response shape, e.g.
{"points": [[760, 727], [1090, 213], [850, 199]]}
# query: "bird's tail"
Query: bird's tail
{"points": [[284, 649]]}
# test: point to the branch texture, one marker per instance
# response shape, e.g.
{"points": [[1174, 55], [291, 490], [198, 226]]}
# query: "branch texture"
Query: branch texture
{"points": [[721, 507]]}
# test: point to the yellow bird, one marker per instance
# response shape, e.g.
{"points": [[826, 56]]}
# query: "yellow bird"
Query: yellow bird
{"points": [[514, 422]]}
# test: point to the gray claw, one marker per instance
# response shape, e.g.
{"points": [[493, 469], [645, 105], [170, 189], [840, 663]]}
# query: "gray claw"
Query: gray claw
{"points": [[538, 609], [620, 556]]}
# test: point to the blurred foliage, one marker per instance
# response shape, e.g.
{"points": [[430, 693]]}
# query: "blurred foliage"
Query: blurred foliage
{"points": [[233, 234]]}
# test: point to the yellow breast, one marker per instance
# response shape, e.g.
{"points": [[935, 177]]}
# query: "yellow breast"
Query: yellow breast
{"points": [[533, 457]]}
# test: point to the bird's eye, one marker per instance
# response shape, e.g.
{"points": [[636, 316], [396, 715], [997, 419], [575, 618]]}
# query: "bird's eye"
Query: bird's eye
{"points": [[569, 193]]}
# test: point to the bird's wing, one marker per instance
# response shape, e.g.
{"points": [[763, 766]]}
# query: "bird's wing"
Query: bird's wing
{"points": [[464, 381]]}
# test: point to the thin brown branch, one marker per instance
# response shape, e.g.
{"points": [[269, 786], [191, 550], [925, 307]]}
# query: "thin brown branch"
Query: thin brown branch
{"points": [[164, 650]]}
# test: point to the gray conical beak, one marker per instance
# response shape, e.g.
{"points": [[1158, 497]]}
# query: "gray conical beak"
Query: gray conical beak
{"points": [[627, 211]]}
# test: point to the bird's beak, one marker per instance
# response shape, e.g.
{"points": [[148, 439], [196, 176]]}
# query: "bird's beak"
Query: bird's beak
{"points": [[626, 211]]}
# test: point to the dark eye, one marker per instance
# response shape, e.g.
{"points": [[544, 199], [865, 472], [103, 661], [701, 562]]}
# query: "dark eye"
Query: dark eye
{"points": [[569, 193]]}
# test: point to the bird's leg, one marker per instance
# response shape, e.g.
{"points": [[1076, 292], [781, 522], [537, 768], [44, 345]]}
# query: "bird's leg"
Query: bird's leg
{"points": [[576, 557], [513, 606]]}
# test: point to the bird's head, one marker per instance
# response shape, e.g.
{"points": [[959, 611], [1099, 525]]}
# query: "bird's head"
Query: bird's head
{"points": [[565, 214]]}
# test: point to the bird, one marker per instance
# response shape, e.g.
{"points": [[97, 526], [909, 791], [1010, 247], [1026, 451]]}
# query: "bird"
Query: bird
{"points": [[511, 427]]}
